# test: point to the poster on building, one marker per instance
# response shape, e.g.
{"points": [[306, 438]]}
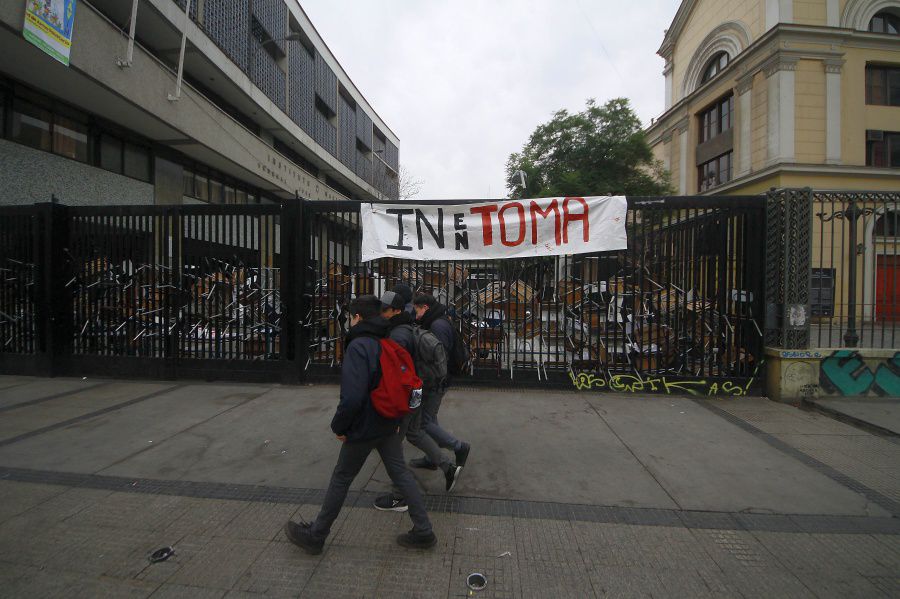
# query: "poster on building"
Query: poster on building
{"points": [[48, 25], [489, 230]]}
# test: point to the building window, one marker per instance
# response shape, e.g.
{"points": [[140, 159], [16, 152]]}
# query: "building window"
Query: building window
{"points": [[30, 125], [883, 149], [70, 138], [883, 85], [716, 119], [715, 172], [136, 162], [715, 66], [821, 292], [111, 153], [885, 22]]}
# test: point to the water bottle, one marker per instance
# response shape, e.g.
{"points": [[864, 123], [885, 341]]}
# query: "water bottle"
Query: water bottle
{"points": [[415, 399]]}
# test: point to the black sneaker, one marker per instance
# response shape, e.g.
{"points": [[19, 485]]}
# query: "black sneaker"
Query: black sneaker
{"points": [[462, 455], [415, 540], [422, 463], [389, 503], [452, 475], [300, 535]]}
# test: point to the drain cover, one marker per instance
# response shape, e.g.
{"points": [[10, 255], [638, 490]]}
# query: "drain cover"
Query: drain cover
{"points": [[476, 581]]}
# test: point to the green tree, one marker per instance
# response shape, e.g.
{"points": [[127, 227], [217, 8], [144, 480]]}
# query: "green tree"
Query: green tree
{"points": [[601, 150]]}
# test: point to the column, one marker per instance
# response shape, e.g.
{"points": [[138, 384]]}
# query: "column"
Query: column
{"points": [[667, 73], [833, 13], [780, 134], [833, 110], [779, 11], [682, 129], [745, 129]]}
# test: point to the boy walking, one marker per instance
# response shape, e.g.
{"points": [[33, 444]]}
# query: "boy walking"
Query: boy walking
{"points": [[400, 324], [432, 315], [361, 429]]}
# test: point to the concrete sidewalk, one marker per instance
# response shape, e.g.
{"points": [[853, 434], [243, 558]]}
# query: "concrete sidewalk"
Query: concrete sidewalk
{"points": [[880, 414], [583, 490]]}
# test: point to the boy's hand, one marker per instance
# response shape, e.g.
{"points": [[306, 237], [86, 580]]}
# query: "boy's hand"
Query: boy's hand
{"points": [[342, 438]]}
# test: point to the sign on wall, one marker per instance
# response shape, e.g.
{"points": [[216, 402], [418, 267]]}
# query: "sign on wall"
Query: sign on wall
{"points": [[48, 25], [489, 230]]}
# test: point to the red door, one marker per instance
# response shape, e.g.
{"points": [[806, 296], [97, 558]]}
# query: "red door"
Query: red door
{"points": [[887, 287]]}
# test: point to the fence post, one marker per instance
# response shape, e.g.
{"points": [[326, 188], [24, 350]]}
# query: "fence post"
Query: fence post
{"points": [[788, 267], [54, 322], [292, 286]]}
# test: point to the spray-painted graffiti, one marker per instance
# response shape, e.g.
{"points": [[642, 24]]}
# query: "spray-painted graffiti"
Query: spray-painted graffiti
{"points": [[632, 383], [846, 372]]}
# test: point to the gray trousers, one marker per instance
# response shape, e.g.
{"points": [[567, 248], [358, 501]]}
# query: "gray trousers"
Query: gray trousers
{"points": [[414, 431], [431, 403], [350, 461]]}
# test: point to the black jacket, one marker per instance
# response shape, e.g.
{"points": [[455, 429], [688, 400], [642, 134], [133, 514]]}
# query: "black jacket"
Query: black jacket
{"points": [[435, 320], [401, 332], [355, 417]]}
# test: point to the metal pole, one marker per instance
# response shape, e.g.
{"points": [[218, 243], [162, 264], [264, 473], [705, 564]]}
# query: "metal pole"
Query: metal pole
{"points": [[177, 95], [130, 52], [851, 339]]}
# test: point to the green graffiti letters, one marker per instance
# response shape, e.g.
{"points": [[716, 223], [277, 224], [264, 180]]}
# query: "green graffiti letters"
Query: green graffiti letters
{"points": [[844, 372], [629, 383]]}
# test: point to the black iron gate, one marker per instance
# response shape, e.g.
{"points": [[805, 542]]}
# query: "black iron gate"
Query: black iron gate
{"points": [[261, 293]]}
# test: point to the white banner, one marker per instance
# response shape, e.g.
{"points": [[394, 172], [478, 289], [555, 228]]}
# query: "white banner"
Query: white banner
{"points": [[488, 230]]}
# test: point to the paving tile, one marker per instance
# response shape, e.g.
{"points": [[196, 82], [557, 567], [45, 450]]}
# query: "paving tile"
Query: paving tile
{"points": [[134, 510], [484, 535], [281, 570], [889, 585], [367, 527], [611, 545], [219, 564], [16, 497], [261, 521], [564, 580], [865, 554], [346, 572], [178, 591], [101, 551], [502, 574], [545, 540], [50, 584], [205, 517], [414, 573]]}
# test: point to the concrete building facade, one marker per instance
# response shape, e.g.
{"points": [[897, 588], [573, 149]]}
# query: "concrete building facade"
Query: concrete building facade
{"points": [[265, 111], [781, 93]]}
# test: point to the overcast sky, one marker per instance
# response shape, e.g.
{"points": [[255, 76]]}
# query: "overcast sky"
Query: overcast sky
{"points": [[464, 83]]}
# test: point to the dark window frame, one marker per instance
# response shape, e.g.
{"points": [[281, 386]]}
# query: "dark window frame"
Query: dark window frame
{"points": [[714, 66], [720, 169], [884, 152], [885, 21], [717, 118], [883, 80]]}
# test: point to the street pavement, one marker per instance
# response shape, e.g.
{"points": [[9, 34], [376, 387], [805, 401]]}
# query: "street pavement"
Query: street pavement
{"points": [[565, 494]]}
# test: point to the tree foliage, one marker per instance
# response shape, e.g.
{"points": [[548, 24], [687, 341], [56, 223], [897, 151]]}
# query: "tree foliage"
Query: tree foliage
{"points": [[601, 150]]}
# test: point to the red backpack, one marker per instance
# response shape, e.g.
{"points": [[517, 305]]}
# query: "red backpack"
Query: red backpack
{"points": [[391, 397]]}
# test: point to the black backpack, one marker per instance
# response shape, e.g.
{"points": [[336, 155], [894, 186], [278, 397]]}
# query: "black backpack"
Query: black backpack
{"points": [[458, 362]]}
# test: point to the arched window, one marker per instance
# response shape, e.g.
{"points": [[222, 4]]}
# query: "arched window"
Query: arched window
{"points": [[885, 22], [715, 65]]}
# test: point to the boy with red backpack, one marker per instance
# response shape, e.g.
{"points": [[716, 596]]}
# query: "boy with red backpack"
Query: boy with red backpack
{"points": [[361, 427], [430, 361]]}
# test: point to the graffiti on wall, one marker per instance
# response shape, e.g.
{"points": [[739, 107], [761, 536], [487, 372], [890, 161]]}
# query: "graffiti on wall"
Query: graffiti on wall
{"points": [[632, 383], [847, 372]]}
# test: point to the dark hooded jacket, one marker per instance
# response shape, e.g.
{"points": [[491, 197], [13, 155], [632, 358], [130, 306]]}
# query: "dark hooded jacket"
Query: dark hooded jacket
{"points": [[355, 416], [435, 320], [401, 331]]}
